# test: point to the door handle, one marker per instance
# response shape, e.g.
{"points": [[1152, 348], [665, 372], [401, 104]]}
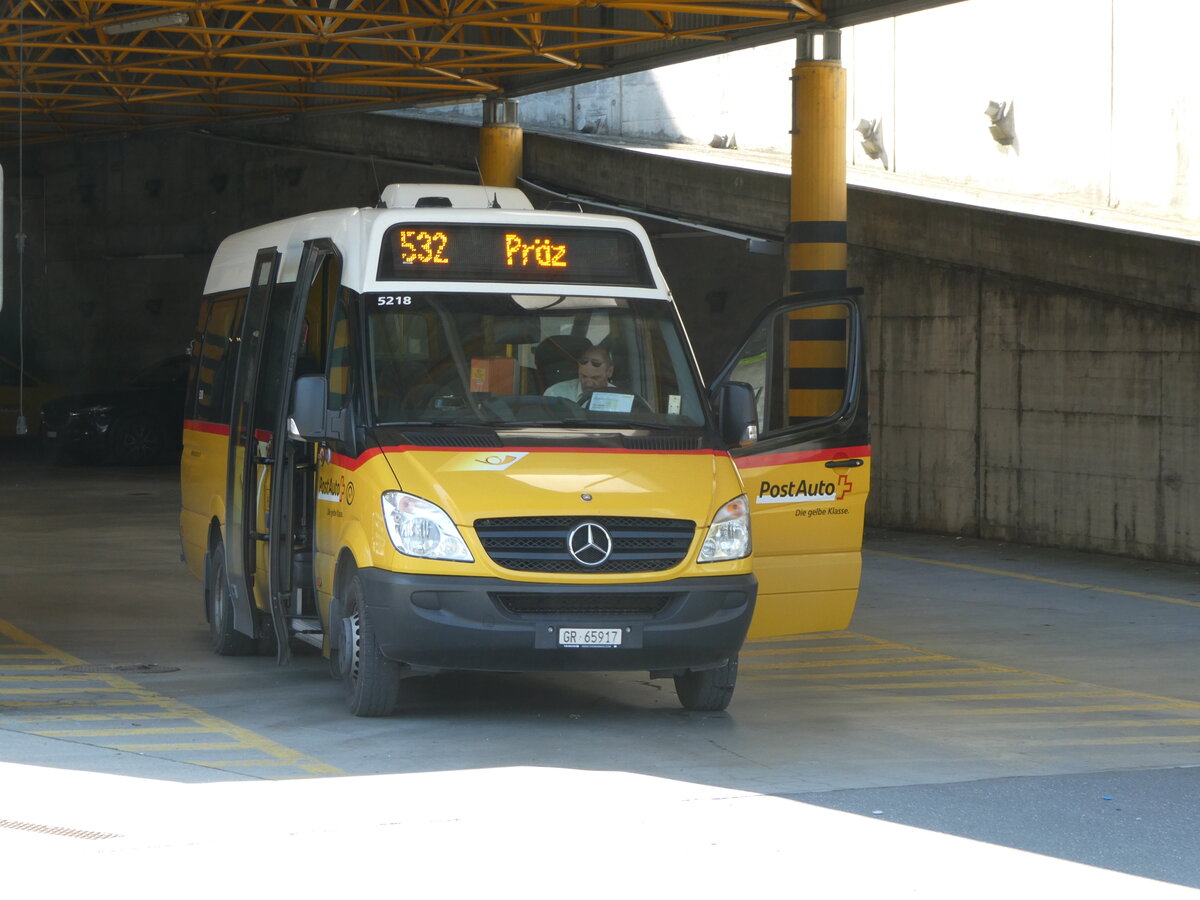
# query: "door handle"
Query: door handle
{"points": [[843, 463]]}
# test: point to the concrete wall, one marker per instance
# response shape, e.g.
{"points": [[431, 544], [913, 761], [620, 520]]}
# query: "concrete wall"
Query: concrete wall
{"points": [[1034, 381], [121, 233]]}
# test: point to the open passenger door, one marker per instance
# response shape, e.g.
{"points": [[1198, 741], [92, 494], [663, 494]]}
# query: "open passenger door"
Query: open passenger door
{"points": [[242, 489], [261, 510], [807, 475]]}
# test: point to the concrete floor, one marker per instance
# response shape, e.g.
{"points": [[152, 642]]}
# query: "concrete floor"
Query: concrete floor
{"points": [[1014, 696]]}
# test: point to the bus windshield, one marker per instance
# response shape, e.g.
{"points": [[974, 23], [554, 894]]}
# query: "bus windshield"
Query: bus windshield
{"points": [[498, 359]]}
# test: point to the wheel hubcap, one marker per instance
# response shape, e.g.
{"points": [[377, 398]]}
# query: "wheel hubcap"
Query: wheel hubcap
{"points": [[216, 612], [351, 651]]}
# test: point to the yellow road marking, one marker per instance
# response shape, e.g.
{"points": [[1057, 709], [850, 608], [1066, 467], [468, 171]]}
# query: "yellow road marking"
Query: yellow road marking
{"points": [[65, 690], [933, 694], [101, 717], [1023, 576], [781, 651], [53, 668], [241, 738], [124, 732], [1119, 723], [29, 642], [1046, 695], [66, 676], [65, 704], [750, 673], [818, 636], [238, 763], [1059, 710], [1143, 739], [837, 663], [894, 685], [167, 748]]}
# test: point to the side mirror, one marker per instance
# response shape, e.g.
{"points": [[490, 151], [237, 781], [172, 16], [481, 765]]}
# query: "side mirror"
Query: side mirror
{"points": [[737, 413], [307, 422]]}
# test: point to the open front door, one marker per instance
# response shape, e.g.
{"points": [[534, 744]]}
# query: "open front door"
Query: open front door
{"points": [[242, 487], [302, 329], [807, 476], [262, 514]]}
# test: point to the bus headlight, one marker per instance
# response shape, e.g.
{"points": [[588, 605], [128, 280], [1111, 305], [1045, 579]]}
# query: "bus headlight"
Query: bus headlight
{"points": [[420, 528], [729, 533]]}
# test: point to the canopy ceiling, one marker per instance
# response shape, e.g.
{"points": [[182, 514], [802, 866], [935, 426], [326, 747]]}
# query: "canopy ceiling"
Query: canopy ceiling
{"points": [[72, 69]]}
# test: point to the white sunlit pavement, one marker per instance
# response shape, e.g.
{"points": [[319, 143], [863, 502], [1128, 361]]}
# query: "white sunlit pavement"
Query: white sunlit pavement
{"points": [[500, 832], [1030, 698]]}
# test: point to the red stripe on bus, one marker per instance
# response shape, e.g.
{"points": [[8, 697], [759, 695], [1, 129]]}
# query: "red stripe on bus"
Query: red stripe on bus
{"points": [[347, 462], [222, 430], [206, 427], [799, 456]]}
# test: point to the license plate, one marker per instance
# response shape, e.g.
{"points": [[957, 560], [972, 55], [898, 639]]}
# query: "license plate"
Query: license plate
{"points": [[589, 637]]}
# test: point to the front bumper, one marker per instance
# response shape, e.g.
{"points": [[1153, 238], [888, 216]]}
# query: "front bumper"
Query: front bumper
{"points": [[75, 435], [487, 624]]}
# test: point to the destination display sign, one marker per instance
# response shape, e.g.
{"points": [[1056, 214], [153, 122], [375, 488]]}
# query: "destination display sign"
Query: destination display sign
{"points": [[451, 251]]}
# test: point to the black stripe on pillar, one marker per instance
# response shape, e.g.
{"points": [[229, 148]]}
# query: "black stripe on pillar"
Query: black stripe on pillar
{"points": [[801, 280], [817, 329], [816, 232], [817, 379]]}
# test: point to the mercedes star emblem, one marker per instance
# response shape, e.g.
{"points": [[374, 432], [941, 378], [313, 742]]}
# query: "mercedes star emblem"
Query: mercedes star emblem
{"points": [[590, 544]]}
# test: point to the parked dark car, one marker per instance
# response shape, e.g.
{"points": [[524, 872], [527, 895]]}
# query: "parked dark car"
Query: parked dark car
{"points": [[134, 424], [21, 392]]}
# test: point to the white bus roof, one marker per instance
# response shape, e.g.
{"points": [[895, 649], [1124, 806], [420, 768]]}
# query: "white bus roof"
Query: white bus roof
{"points": [[459, 196], [358, 235]]}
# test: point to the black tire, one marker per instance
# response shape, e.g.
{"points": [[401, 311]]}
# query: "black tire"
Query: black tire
{"points": [[372, 681], [219, 607], [707, 690], [136, 440]]}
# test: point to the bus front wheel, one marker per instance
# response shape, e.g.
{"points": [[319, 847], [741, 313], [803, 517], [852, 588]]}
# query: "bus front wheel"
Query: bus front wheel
{"points": [[372, 681], [707, 690], [225, 639]]}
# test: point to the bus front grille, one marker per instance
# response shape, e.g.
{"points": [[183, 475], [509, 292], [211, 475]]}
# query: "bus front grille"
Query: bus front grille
{"points": [[539, 543]]}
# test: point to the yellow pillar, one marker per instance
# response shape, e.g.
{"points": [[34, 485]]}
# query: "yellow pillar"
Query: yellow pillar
{"points": [[501, 142], [817, 231]]}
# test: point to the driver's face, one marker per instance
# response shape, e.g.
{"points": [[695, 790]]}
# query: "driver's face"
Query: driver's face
{"points": [[594, 370]]}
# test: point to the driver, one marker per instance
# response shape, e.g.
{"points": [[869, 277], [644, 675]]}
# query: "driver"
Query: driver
{"points": [[595, 373]]}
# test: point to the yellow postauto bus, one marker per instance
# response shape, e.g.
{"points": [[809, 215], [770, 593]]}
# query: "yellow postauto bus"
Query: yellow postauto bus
{"points": [[454, 432]]}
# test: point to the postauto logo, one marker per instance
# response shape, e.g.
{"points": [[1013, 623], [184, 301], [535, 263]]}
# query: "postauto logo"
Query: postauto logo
{"points": [[335, 489], [803, 491]]}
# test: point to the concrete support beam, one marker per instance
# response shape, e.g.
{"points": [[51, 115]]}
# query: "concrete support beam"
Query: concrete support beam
{"points": [[817, 233]]}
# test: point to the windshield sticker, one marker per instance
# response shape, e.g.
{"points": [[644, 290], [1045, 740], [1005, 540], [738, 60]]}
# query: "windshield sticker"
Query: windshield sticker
{"points": [[604, 401], [493, 462]]}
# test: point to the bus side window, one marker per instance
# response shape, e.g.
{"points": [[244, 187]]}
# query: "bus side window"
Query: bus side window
{"points": [[797, 364], [817, 362], [217, 361], [751, 369], [338, 373]]}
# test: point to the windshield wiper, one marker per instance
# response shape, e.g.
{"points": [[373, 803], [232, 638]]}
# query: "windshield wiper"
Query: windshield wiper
{"points": [[581, 423], [433, 423], [508, 425], [653, 426]]}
